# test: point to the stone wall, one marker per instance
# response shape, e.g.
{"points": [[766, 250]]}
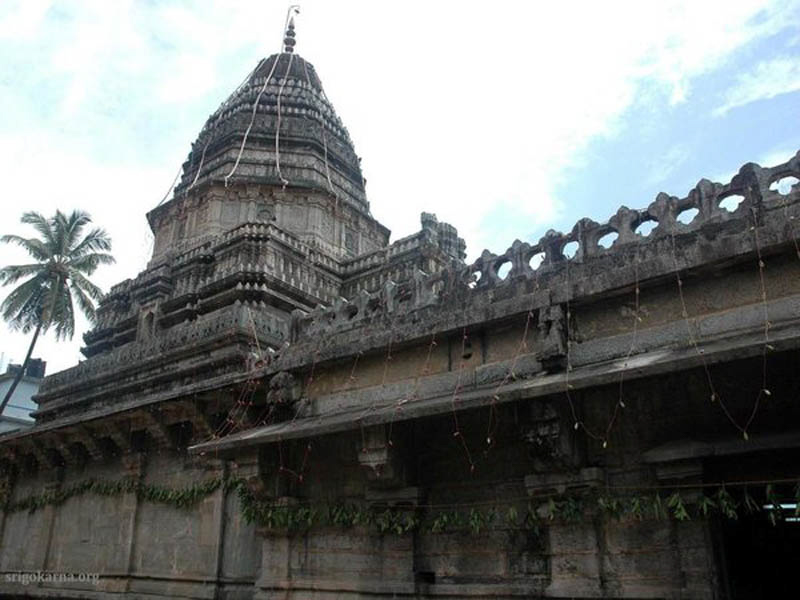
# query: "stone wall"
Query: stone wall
{"points": [[505, 415]]}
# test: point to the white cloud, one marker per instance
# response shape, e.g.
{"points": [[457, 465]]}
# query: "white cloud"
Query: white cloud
{"points": [[45, 178], [22, 19], [769, 79], [772, 158], [666, 164]]}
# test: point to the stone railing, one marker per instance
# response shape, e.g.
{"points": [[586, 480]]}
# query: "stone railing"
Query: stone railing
{"points": [[432, 234], [380, 257], [707, 207], [181, 336]]}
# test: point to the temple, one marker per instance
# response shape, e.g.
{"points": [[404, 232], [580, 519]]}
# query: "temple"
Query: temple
{"points": [[284, 404]]}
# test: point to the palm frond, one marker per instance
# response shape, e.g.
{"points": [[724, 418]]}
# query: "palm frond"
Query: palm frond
{"points": [[84, 302], [94, 292], [96, 240], [69, 228], [46, 299], [64, 321], [36, 248], [27, 317], [88, 263], [13, 273], [44, 226], [58, 312], [24, 303]]}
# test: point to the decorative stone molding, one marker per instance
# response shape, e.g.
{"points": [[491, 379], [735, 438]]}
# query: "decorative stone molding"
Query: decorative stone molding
{"points": [[550, 438], [553, 328], [680, 470], [134, 463], [248, 467], [380, 459], [408, 497], [283, 390], [540, 484]]}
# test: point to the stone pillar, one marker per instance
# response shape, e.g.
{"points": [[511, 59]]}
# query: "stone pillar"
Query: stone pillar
{"points": [[55, 478], [220, 469], [133, 464]]}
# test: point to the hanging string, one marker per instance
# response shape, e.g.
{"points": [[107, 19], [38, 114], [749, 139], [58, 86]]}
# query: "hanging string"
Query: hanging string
{"points": [[172, 186], [387, 360], [457, 388], [522, 347], [577, 423], [634, 334], [200, 167], [494, 420], [322, 129], [413, 394], [764, 391], [285, 79], [453, 400], [715, 397], [790, 219], [291, 9]]}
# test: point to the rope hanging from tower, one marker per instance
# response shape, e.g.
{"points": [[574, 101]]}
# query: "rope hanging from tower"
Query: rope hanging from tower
{"points": [[287, 44]]}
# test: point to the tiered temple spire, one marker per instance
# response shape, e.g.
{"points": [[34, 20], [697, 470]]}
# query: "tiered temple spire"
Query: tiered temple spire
{"points": [[289, 41]]}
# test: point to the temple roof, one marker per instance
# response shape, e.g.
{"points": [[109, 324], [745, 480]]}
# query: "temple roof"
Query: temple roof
{"points": [[314, 147]]}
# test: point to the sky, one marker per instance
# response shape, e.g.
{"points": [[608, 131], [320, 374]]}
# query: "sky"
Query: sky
{"points": [[505, 119]]}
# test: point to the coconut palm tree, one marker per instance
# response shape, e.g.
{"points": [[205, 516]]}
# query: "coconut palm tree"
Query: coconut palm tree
{"points": [[65, 257]]}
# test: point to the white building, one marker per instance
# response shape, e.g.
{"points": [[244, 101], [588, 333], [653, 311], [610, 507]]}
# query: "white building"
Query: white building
{"points": [[16, 414]]}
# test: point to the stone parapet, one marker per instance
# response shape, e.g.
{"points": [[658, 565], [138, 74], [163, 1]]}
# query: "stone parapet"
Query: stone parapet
{"points": [[762, 220]]}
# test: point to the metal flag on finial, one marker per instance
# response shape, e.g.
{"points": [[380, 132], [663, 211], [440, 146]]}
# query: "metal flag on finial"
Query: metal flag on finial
{"points": [[288, 40]]}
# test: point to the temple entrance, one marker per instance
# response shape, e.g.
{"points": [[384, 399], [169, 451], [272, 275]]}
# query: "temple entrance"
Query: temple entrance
{"points": [[761, 559]]}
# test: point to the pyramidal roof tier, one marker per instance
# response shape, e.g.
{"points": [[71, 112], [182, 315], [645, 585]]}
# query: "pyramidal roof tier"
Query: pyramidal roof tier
{"points": [[293, 138]]}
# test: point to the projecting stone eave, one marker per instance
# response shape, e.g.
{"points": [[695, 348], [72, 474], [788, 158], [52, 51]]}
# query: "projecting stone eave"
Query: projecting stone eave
{"points": [[435, 398]]}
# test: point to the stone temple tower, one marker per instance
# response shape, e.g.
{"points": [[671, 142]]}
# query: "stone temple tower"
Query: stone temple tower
{"points": [[270, 219], [297, 168]]}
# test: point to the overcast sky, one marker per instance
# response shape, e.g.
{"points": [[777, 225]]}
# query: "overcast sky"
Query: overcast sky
{"points": [[504, 118]]}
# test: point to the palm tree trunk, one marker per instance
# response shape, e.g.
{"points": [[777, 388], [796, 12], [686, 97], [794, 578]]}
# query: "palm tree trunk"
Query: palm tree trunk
{"points": [[21, 372]]}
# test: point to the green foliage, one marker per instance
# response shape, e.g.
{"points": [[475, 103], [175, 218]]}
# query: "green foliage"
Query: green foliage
{"points": [[727, 505], [750, 504], [57, 280], [512, 516], [706, 505], [179, 498], [64, 258], [637, 507], [675, 503], [613, 507], [658, 508], [775, 512], [398, 521]]}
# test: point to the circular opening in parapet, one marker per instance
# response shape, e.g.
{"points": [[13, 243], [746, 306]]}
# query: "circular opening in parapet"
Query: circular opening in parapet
{"points": [[731, 203], [784, 185], [536, 260], [570, 249], [504, 269], [687, 215], [474, 278], [645, 227], [608, 239]]}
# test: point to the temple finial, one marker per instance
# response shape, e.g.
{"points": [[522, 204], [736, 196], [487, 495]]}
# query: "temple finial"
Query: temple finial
{"points": [[288, 40]]}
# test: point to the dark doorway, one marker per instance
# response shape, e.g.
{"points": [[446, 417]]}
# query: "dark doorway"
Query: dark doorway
{"points": [[762, 559]]}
